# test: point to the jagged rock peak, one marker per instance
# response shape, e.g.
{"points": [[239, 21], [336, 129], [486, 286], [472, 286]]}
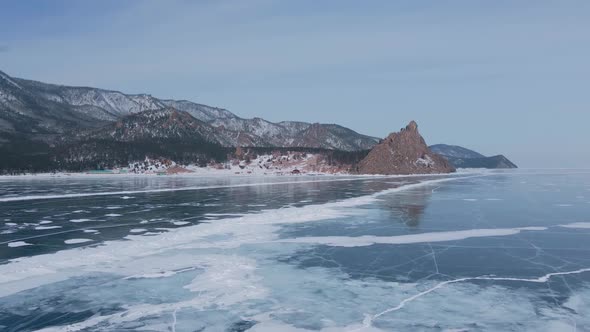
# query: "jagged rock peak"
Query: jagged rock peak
{"points": [[412, 126], [404, 152]]}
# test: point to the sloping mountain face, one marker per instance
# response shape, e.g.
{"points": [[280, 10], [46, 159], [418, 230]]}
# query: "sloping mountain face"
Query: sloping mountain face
{"points": [[461, 157], [38, 110], [201, 112], [106, 104], [498, 161], [162, 133], [404, 152], [167, 123], [25, 112], [454, 151]]}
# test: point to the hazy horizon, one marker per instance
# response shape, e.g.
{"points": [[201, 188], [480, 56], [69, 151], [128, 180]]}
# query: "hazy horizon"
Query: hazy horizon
{"points": [[499, 78]]}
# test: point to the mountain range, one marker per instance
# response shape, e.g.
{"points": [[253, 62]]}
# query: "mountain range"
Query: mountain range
{"points": [[43, 111], [46, 126]]}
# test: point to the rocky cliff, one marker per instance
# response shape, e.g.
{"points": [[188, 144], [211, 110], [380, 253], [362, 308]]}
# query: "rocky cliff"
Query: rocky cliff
{"points": [[404, 152]]}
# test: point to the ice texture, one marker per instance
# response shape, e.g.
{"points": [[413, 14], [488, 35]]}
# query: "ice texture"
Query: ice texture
{"points": [[249, 272]]}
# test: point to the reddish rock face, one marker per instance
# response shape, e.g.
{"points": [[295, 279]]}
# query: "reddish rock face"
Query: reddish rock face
{"points": [[404, 152]]}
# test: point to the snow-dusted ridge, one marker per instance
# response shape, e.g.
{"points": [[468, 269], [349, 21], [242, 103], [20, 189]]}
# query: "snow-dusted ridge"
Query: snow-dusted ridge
{"points": [[85, 105]]}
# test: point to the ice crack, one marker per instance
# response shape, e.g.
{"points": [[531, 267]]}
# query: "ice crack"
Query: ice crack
{"points": [[368, 321]]}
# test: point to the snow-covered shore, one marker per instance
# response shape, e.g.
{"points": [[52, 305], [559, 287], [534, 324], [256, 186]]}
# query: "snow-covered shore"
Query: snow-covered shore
{"points": [[208, 172], [264, 165], [260, 166]]}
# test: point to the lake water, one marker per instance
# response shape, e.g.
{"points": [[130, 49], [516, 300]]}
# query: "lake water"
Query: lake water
{"points": [[490, 251]]}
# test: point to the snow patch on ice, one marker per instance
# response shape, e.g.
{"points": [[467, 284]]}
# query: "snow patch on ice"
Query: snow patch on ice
{"points": [[17, 244], [161, 274], [79, 220], [223, 214], [577, 225], [77, 241], [367, 240], [42, 228], [151, 233], [235, 274]]}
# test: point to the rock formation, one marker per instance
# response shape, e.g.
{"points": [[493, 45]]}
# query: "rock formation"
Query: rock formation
{"points": [[404, 152]]}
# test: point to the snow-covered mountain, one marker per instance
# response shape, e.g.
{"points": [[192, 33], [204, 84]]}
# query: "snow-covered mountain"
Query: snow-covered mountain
{"points": [[41, 111]]}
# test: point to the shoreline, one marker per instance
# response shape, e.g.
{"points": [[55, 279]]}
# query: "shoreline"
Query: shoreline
{"points": [[220, 173]]}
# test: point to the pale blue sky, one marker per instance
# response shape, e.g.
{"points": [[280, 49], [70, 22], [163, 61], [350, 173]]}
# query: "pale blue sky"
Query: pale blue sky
{"points": [[509, 77]]}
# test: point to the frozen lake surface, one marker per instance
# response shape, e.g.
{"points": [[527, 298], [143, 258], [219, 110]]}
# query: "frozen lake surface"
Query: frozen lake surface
{"points": [[490, 251]]}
